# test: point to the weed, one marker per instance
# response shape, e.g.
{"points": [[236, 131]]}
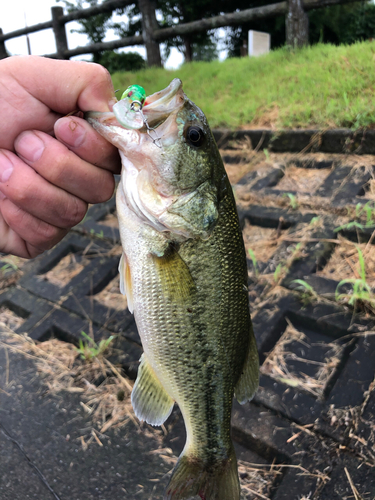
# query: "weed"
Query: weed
{"points": [[362, 294], [293, 202], [314, 221], [254, 261], [350, 225], [279, 272], [367, 210], [90, 349], [7, 266], [100, 234], [266, 154], [308, 292]]}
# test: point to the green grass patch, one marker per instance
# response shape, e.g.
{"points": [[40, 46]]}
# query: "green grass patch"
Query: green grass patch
{"points": [[320, 86]]}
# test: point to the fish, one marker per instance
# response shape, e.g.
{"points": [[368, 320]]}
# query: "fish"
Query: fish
{"points": [[183, 270]]}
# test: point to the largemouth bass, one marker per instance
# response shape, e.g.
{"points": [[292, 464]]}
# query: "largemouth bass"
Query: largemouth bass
{"points": [[184, 273]]}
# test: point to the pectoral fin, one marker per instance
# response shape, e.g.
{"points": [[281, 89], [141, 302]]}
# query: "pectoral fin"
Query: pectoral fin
{"points": [[149, 398], [176, 280], [249, 379], [126, 287]]}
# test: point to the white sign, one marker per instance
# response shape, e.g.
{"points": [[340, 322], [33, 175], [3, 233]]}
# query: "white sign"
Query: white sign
{"points": [[259, 43]]}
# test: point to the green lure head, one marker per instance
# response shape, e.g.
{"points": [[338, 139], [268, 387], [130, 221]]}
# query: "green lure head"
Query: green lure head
{"points": [[136, 94], [128, 110]]}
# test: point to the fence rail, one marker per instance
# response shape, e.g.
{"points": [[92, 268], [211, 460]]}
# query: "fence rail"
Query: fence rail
{"points": [[152, 35]]}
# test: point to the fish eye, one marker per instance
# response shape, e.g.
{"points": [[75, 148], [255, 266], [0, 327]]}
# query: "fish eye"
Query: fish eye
{"points": [[194, 136]]}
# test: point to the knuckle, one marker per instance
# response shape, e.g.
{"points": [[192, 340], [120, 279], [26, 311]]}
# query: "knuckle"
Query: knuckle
{"points": [[105, 189], [46, 235], [73, 212]]}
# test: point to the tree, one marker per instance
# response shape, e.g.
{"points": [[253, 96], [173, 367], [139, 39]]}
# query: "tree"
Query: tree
{"points": [[96, 28], [201, 46]]}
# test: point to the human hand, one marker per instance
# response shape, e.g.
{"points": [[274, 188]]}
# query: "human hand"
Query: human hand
{"points": [[51, 166]]}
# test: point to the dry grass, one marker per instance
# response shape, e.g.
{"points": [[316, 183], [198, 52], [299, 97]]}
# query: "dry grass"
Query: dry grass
{"points": [[256, 482], [303, 180], [370, 193], [261, 240], [266, 117], [9, 321], [105, 393], [276, 363], [344, 262], [67, 268], [111, 296]]}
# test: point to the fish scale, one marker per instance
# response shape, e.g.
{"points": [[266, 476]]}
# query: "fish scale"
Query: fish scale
{"points": [[184, 271]]}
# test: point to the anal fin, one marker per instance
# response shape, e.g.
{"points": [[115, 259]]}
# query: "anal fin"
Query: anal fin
{"points": [[249, 379], [149, 398]]}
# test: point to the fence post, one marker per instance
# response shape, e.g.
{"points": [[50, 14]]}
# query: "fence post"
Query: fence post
{"points": [[3, 50], [297, 25], [149, 24], [59, 31]]}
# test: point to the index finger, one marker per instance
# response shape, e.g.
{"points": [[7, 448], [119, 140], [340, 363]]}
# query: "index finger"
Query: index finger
{"points": [[66, 85]]}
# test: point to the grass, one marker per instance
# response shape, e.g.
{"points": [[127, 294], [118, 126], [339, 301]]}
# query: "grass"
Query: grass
{"points": [[319, 86], [361, 294], [90, 349]]}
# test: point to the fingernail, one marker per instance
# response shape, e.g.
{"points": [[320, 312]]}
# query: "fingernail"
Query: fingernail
{"points": [[6, 168], [29, 146], [70, 131]]}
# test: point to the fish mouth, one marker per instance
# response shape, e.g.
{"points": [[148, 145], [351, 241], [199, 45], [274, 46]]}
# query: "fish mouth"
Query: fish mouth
{"points": [[157, 108]]}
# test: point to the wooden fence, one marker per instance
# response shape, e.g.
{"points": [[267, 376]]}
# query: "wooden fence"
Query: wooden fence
{"points": [[152, 35]]}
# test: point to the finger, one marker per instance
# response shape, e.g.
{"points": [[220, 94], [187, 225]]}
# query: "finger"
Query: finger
{"points": [[85, 142], [64, 169], [26, 235], [34, 195], [67, 85]]}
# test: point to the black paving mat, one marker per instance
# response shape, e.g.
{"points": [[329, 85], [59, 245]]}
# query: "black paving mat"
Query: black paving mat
{"points": [[320, 428]]}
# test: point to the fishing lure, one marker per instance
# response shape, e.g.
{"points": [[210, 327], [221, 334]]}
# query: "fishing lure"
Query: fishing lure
{"points": [[128, 110]]}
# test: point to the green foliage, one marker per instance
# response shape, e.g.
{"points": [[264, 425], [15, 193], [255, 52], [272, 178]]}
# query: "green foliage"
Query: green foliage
{"points": [[95, 27], [279, 272], [365, 211], [90, 349], [350, 225], [342, 24], [362, 295], [293, 202], [368, 210], [196, 47], [314, 221], [121, 61], [308, 292], [7, 266], [254, 261], [100, 234], [306, 87]]}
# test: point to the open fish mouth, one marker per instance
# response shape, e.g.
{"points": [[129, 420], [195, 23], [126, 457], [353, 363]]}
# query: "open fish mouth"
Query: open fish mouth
{"points": [[156, 109]]}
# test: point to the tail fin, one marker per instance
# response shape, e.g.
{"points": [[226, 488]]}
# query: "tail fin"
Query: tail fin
{"points": [[192, 480]]}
